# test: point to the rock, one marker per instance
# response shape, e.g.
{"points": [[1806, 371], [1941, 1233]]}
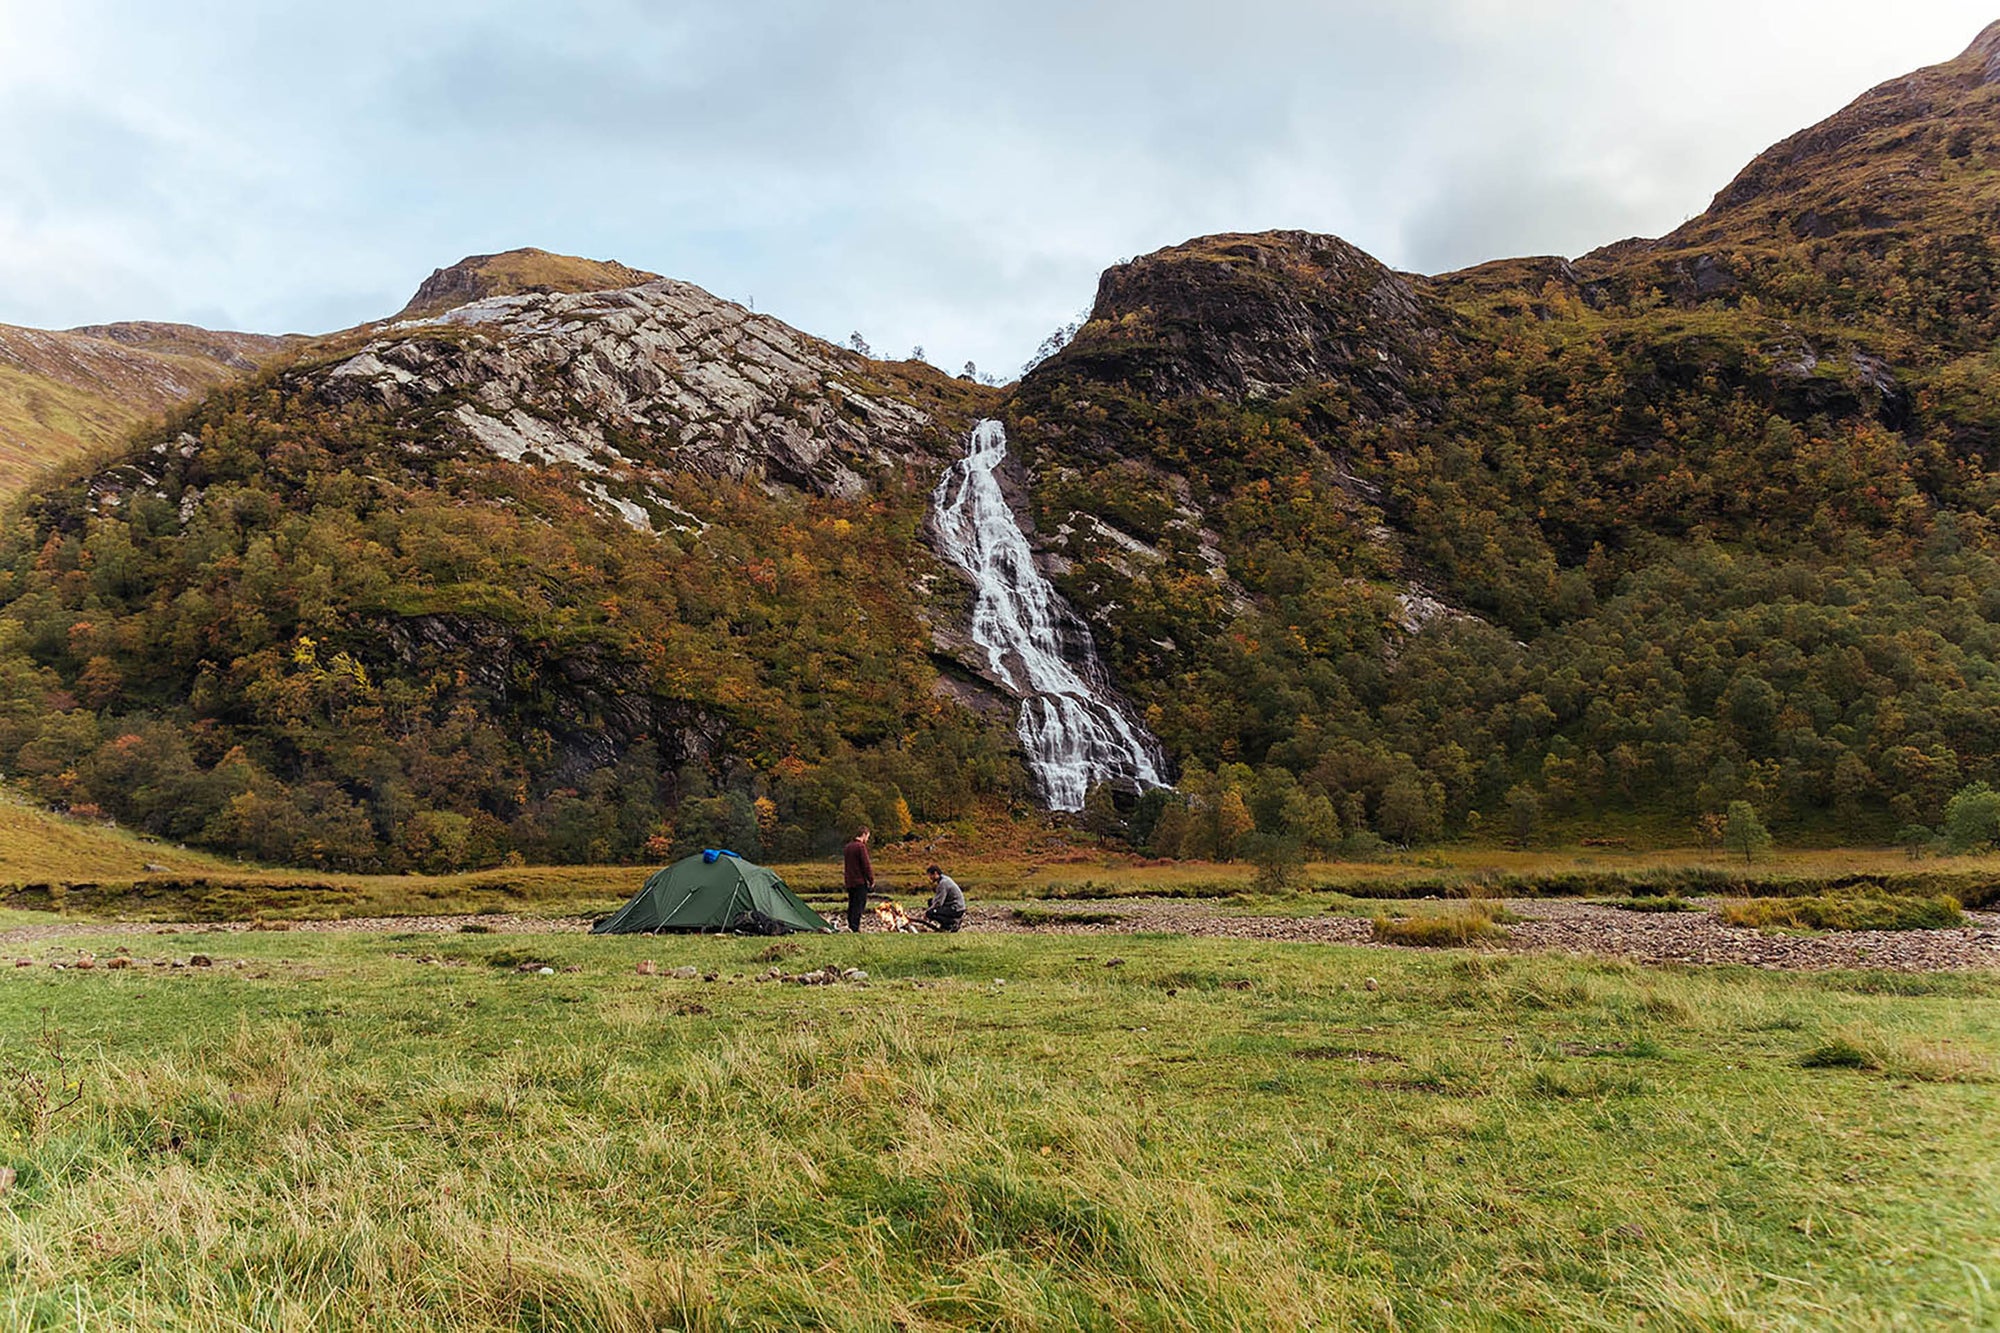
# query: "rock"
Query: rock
{"points": [[684, 973], [1370, 984], [7, 1178], [200, 960], [1254, 316], [1114, 962], [711, 976], [545, 971], [85, 963], [661, 375], [647, 968], [118, 962], [24, 962]]}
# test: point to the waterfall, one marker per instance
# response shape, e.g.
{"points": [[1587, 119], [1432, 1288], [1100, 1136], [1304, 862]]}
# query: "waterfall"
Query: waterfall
{"points": [[1074, 731]]}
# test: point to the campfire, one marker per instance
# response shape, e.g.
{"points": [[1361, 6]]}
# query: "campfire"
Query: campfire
{"points": [[893, 917]]}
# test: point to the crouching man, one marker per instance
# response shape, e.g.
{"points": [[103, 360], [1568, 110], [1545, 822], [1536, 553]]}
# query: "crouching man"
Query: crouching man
{"points": [[947, 909]]}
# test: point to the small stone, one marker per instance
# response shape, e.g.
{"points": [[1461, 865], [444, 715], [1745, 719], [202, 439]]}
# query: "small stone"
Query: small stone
{"points": [[857, 975], [7, 1178], [685, 973], [1371, 984], [1114, 962], [545, 971], [200, 960], [85, 963], [24, 962], [711, 976], [647, 968], [118, 962]]}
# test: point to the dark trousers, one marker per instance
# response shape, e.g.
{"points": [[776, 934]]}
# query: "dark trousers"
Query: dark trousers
{"points": [[943, 919], [857, 903]]}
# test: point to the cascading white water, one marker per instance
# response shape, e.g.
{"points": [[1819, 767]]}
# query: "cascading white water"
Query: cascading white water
{"points": [[1076, 736]]}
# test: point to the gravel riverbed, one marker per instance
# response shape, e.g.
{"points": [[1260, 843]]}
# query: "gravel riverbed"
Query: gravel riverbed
{"points": [[1549, 926]]}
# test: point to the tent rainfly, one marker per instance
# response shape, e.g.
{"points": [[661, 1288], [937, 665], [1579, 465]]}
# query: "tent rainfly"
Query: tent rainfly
{"points": [[713, 891]]}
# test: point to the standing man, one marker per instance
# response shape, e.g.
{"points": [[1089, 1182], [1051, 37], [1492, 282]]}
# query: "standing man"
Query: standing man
{"points": [[947, 909], [859, 873]]}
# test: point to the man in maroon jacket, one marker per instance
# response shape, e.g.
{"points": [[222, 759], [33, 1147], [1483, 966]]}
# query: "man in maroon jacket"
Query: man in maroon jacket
{"points": [[860, 878]]}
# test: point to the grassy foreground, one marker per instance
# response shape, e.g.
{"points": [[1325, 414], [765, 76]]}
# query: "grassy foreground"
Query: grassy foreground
{"points": [[1005, 1132]]}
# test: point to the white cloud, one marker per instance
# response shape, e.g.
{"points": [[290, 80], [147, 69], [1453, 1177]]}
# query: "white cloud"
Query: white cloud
{"points": [[954, 175]]}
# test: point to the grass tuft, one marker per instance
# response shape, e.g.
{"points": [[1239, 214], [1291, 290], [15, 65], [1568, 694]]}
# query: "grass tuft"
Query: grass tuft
{"points": [[1846, 912], [1471, 923], [1670, 902]]}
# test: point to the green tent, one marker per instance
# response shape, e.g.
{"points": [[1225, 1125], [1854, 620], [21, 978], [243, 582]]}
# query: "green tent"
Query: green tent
{"points": [[712, 891]]}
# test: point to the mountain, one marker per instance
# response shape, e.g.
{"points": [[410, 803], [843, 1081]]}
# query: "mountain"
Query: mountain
{"points": [[567, 561], [64, 395], [1611, 541], [511, 578]]}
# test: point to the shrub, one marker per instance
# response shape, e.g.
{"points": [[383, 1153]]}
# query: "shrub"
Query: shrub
{"points": [[1847, 912], [1745, 833], [1972, 818], [1655, 903]]}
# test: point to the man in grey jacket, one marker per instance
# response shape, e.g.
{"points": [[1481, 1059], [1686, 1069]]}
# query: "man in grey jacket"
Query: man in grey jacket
{"points": [[947, 909]]}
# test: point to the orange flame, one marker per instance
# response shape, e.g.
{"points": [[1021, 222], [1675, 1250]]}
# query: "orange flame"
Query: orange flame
{"points": [[892, 917]]}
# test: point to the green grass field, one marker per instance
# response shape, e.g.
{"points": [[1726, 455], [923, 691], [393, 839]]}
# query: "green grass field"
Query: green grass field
{"points": [[1018, 1132]]}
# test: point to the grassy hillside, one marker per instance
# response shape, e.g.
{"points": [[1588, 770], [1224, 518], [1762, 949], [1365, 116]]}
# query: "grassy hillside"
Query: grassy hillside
{"points": [[38, 846], [69, 396], [410, 1133]]}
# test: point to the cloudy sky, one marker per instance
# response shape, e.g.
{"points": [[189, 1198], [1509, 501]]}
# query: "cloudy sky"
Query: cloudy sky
{"points": [[946, 172]]}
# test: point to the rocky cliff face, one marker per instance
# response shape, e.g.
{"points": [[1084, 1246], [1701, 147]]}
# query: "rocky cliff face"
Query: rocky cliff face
{"points": [[1253, 316], [661, 377]]}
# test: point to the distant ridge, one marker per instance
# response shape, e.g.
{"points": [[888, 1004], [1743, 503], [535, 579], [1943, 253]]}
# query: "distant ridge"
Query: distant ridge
{"points": [[63, 394]]}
